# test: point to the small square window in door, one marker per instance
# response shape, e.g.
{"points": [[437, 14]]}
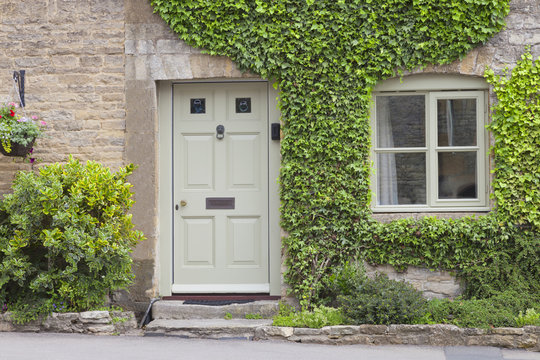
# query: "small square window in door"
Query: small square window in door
{"points": [[243, 105], [198, 106]]}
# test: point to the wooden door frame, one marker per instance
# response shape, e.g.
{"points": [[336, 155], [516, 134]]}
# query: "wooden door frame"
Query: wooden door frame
{"points": [[165, 206]]}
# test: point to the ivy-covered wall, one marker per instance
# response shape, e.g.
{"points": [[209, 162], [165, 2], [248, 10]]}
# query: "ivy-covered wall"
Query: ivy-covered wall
{"points": [[326, 57]]}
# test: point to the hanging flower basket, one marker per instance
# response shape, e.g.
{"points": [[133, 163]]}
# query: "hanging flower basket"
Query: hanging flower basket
{"points": [[17, 149], [18, 133]]}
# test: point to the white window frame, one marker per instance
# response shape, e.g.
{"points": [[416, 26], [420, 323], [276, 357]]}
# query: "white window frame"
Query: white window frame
{"points": [[436, 87]]}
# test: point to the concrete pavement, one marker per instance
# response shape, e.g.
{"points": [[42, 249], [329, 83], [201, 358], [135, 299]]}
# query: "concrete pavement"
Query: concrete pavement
{"points": [[42, 346]]}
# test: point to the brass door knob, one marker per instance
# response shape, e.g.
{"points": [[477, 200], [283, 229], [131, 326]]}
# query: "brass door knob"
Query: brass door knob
{"points": [[183, 203]]}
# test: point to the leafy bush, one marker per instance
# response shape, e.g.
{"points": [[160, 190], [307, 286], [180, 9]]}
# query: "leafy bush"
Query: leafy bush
{"points": [[383, 301], [345, 280], [531, 317], [497, 311], [65, 236], [468, 313], [317, 318], [372, 301]]}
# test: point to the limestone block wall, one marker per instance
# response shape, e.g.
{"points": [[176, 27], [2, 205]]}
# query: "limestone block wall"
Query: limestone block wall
{"points": [[73, 54]]}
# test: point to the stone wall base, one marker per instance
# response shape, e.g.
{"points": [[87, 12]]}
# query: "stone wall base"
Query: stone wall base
{"points": [[88, 322], [432, 283], [433, 335]]}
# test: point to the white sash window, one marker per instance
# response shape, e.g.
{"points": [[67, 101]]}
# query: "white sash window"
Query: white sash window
{"points": [[429, 147]]}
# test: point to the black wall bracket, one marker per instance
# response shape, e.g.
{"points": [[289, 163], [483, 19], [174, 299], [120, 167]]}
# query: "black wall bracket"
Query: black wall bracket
{"points": [[18, 77]]}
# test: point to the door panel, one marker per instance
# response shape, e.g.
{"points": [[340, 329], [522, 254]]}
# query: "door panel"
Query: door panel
{"points": [[244, 162], [244, 242], [199, 244], [198, 159], [224, 248]]}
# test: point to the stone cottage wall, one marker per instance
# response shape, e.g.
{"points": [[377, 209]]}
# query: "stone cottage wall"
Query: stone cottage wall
{"points": [[73, 54], [92, 70]]}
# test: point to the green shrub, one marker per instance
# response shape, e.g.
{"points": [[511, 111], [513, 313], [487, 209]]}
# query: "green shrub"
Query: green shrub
{"points": [[65, 237], [344, 280], [383, 301], [531, 317], [285, 309], [372, 301], [469, 313], [496, 311], [317, 318]]}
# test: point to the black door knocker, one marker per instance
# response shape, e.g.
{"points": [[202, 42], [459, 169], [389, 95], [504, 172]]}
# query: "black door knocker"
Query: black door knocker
{"points": [[220, 132]]}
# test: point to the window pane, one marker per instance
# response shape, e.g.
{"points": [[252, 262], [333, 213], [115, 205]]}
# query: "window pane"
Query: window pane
{"points": [[401, 121], [457, 175], [401, 179], [456, 122]]}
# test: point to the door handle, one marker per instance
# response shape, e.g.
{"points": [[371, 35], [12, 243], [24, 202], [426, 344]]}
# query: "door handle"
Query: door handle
{"points": [[182, 204]]}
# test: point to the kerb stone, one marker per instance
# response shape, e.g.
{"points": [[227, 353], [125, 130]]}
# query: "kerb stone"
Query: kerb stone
{"points": [[95, 317]]}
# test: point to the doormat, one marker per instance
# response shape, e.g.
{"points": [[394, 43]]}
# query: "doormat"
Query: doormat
{"points": [[215, 302]]}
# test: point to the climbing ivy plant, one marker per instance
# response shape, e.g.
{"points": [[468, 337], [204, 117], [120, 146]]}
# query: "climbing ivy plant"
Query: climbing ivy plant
{"points": [[516, 126], [326, 56]]}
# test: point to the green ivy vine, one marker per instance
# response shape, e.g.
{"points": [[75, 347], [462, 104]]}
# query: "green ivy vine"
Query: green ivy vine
{"points": [[516, 126], [326, 56]]}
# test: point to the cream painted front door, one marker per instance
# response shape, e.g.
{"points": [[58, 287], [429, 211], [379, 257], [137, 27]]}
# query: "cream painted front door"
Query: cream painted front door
{"points": [[220, 157]]}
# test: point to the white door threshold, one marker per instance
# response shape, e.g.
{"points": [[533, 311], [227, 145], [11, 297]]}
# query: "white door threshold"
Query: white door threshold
{"points": [[221, 289]]}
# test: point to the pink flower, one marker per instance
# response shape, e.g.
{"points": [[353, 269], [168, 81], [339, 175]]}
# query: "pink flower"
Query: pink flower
{"points": [[34, 117], [43, 123]]}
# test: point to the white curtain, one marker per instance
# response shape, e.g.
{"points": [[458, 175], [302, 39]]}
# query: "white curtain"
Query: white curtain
{"points": [[386, 167], [450, 122]]}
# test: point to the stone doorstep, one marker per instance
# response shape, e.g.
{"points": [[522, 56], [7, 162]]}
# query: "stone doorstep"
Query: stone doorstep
{"points": [[426, 335], [206, 328], [175, 309]]}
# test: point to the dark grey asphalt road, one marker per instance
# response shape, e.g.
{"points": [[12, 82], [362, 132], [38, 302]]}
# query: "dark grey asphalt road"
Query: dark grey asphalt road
{"points": [[17, 346]]}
